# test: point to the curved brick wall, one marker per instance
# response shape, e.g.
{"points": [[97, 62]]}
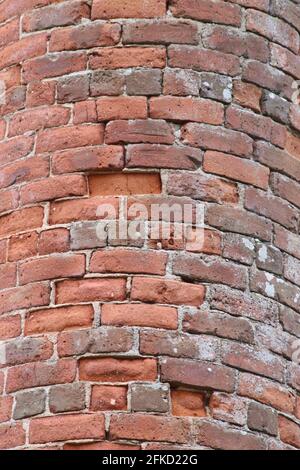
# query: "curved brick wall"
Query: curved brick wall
{"points": [[162, 343]]}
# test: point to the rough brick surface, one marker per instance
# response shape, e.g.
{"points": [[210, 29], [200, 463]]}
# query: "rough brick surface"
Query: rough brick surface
{"points": [[149, 224]]}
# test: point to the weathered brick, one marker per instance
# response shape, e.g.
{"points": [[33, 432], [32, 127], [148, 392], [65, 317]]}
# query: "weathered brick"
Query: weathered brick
{"points": [[219, 324], [277, 159], [247, 95], [70, 397], [181, 82], [53, 65], [221, 437], [207, 10], [54, 241], [16, 148], [160, 32], [188, 57], [272, 28], [188, 403], [262, 419], [101, 158], [55, 15], [40, 93], [29, 404], [40, 374], [50, 140], [239, 248], [269, 259], [285, 60], [166, 292], [289, 431], [124, 184], [217, 138], [228, 408], [22, 351], [12, 435], [107, 83], [150, 398], [33, 295], [70, 89], [84, 36], [216, 87], [149, 427], [144, 82], [106, 397], [6, 404], [139, 131], [202, 187], [276, 107], [10, 327], [24, 49], [82, 209], [122, 107], [198, 374]]}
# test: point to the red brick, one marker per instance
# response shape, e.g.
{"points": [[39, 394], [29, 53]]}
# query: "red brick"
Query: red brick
{"points": [[123, 260], [26, 48], [220, 437], [58, 319], [237, 43], [54, 241], [51, 267], [55, 15], [286, 189], [285, 60], [186, 109], [117, 370], [122, 107], [289, 432], [166, 292], [24, 170], [198, 374], [272, 28], [53, 188], [139, 131], [104, 158], [149, 428], [8, 275], [286, 11], [22, 220], [188, 57], [84, 37], [160, 32], [10, 327], [6, 404], [293, 145], [81, 209], [287, 241], [9, 32], [40, 93], [73, 88], [61, 428], [209, 242], [207, 10], [239, 248], [3, 251], [9, 200], [258, 4], [14, 100], [23, 246], [85, 111], [53, 65], [295, 117], [114, 57], [69, 137], [125, 184], [217, 138], [255, 125], [109, 9], [16, 148], [277, 159], [187, 403], [40, 374], [11, 76], [239, 221], [247, 95], [271, 207], [31, 120], [105, 397], [237, 169], [90, 290], [154, 316], [11, 436]]}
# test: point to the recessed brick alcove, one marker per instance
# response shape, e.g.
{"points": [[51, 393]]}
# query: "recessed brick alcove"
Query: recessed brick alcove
{"points": [[149, 343]]}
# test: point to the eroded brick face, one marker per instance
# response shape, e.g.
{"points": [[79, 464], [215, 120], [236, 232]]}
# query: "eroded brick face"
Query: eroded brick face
{"points": [[158, 341]]}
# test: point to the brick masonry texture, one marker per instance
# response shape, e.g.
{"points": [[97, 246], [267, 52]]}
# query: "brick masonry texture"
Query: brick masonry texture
{"points": [[149, 344]]}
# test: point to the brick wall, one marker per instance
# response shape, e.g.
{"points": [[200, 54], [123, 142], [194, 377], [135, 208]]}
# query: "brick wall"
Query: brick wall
{"points": [[149, 343]]}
